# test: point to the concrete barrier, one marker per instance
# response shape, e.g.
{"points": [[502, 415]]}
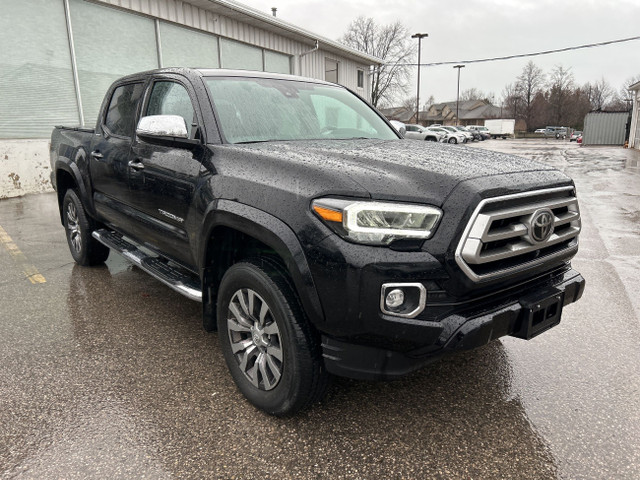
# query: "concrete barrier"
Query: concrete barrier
{"points": [[24, 167]]}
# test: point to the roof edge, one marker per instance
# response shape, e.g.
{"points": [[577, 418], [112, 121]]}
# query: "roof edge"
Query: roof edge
{"points": [[274, 21]]}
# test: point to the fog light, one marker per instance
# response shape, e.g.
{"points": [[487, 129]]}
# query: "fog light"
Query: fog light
{"points": [[406, 300], [395, 298]]}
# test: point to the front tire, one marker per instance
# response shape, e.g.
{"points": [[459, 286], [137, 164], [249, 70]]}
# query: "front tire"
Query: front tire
{"points": [[272, 352], [85, 249], [453, 140]]}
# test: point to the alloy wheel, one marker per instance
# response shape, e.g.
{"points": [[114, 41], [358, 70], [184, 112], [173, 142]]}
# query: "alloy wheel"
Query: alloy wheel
{"points": [[73, 226], [255, 339]]}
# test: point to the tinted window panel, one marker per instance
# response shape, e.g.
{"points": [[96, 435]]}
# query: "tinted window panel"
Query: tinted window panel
{"points": [[121, 114], [170, 98]]}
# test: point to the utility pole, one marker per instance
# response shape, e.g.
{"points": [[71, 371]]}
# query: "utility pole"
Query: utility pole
{"points": [[419, 36], [458, 96]]}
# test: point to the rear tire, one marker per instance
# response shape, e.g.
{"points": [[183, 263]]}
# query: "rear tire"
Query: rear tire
{"points": [[272, 351], [85, 249], [453, 140]]}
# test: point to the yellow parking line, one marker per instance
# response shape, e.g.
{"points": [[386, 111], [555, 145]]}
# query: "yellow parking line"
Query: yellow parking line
{"points": [[29, 270]]}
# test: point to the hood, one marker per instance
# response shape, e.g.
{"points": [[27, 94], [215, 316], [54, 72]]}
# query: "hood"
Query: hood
{"points": [[401, 170]]}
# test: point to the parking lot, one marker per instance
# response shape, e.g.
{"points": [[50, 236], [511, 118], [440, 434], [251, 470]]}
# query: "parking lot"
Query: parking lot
{"points": [[107, 373]]}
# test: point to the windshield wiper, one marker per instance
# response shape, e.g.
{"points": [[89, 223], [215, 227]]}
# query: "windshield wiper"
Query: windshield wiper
{"points": [[256, 141]]}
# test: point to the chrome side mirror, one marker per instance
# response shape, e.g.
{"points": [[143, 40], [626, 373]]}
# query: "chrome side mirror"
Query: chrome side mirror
{"points": [[162, 126]]}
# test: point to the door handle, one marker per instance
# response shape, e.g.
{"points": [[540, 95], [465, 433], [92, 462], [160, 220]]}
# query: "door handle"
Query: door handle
{"points": [[96, 154], [136, 164]]}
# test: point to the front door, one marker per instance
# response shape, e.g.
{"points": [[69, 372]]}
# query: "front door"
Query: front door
{"points": [[163, 180]]}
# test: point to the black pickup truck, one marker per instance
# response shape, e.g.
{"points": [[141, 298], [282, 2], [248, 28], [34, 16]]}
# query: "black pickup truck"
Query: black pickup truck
{"points": [[318, 241]]}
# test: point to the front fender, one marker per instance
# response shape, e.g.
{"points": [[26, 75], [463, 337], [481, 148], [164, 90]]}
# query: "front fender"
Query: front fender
{"points": [[274, 233]]}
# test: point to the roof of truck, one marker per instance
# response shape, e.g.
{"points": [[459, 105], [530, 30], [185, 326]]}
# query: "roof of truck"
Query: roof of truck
{"points": [[222, 72]]}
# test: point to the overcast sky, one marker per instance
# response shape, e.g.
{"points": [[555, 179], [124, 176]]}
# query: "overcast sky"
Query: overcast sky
{"points": [[467, 29]]}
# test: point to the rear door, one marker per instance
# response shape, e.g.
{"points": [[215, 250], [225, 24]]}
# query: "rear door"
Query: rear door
{"points": [[110, 154], [163, 179]]}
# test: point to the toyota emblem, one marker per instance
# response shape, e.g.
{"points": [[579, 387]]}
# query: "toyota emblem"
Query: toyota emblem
{"points": [[541, 225]]}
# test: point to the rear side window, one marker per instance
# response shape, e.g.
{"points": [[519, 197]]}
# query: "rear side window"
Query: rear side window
{"points": [[170, 98], [121, 114]]}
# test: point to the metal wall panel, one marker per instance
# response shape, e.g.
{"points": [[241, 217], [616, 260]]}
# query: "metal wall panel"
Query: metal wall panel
{"points": [[605, 128], [192, 16]]}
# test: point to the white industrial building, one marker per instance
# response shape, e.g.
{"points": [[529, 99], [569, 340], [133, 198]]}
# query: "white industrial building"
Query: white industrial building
{"points": [[58, 57], [634, 133]]}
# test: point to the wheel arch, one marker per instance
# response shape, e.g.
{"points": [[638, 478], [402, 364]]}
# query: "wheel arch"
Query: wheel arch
{"points": [[68, 176], [233, 231]]}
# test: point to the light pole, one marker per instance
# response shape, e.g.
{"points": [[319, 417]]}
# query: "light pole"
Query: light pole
{"points": [[458, 97], [419, 36]]}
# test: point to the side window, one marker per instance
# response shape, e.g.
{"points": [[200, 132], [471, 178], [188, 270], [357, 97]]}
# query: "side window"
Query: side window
{"points": [[330, 70], [171, 98], [121, 113]]}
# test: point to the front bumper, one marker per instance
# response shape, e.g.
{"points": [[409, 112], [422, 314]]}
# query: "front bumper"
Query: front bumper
{"points": [[462, 330]]}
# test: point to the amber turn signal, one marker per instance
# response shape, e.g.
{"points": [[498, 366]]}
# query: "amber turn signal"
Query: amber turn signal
{"points": [[328, 214]]}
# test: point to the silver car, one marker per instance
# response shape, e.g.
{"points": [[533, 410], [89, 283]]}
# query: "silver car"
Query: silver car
{"points": [[418, 132], [460, 137]]}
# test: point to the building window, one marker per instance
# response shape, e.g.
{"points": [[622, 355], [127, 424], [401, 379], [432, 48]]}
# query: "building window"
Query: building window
{"points": [[36, 80], [360, 79], [275, 62], [330, 70], [240, 56], [131, 48], [183, 47]]}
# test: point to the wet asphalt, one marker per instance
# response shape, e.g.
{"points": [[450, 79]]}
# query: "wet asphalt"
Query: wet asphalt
{"points": [[106, 373]]}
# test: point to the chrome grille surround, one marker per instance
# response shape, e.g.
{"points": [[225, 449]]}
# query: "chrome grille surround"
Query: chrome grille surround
{"points": [[498, 239]]}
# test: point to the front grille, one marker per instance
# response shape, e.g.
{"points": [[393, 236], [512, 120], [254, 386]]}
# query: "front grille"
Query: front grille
{"points": [[515, 232]]}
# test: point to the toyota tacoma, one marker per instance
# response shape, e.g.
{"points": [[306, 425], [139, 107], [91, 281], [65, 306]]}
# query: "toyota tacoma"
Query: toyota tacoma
{"points": [[317, 240]]}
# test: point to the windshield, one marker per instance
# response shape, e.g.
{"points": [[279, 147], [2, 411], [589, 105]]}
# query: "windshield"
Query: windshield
{"points": [[264, 109], [450, 129]]}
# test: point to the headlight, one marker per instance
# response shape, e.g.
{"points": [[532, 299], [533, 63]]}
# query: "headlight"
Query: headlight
{"points": [[377, 223]]}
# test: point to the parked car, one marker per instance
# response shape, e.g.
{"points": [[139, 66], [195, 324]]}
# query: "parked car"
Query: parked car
{"points": [[540, 130], [481, 129], [447, 136], [399, 126], [461, 137], [468, 133], [418, 132], [557, 132], [318, 241], [575, 135]]}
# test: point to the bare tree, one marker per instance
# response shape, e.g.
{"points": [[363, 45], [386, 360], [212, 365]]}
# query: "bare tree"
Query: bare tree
{"points": [[599, 93], [430, 101], [410, 103], [561, 86], [623, 99], [389, 43], [512, 102], [528, 84]]}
